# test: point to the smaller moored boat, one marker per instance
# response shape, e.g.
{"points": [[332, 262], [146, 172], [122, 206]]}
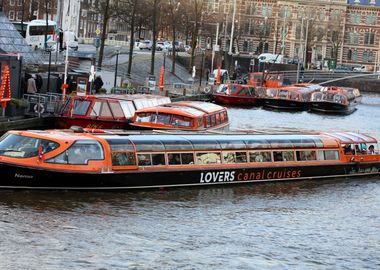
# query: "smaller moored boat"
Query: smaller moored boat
{"points": [[182, 115], [295, 97], [104, 111], [335, 100], [237, 94]]}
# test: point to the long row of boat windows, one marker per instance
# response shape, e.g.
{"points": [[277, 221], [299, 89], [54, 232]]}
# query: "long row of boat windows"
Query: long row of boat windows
{"points": [[126, 155]]}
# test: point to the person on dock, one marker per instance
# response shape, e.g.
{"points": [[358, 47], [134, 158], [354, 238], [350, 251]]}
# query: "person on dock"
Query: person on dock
{"points": [[31, 85]]}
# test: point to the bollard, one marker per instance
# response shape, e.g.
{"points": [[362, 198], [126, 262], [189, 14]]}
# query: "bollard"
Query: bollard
{"points": [[184, 91]]}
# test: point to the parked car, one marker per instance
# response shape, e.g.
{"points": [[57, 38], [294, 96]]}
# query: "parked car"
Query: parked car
{"points": [[188, 48], [146, 44], [270, 58], [362, 68], [160, 45]]}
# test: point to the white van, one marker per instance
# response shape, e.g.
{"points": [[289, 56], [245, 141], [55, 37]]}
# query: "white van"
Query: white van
{"points": [[223, 76], [270, 58], [70, 40]]}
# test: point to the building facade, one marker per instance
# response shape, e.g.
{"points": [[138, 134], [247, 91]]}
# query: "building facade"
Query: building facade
{"points": [[309, 31]]}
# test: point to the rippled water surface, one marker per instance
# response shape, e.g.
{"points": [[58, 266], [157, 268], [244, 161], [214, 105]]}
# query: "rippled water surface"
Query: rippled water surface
{"points": [[332, 224]]}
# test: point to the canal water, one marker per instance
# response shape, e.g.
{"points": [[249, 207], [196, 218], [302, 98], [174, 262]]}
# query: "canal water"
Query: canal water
{"points": [[329, 224]]}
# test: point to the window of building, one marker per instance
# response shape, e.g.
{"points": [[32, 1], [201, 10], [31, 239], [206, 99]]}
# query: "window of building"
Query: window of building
{"points": [[355, 18], [370, 19], [322, 15], [354, 37], [335, 15], [349, 54], [354, 55], [19, 15], [365, 56], [11, 15], [369, 38], [371, 57], [12, 3], [267, 10]]}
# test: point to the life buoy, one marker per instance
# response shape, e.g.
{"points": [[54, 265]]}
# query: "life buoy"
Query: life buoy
{"points": [[207, 90], [39, 108]]}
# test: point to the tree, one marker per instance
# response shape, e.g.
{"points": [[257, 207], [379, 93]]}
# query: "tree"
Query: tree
{"points": [[127, 11]]}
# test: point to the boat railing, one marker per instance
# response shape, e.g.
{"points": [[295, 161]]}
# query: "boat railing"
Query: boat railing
{"points": [[40, 103]]}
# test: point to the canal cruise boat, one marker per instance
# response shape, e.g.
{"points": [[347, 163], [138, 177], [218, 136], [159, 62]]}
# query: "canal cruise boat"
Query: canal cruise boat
{"points": [[64, 159], [335, 100], [295, 97], [182, 115], [247, 94], [237, 94], [103, 111]]}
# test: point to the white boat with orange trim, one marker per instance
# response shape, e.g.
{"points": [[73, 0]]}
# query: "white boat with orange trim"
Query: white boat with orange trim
{"points": [[64, 159], [182, 115]]}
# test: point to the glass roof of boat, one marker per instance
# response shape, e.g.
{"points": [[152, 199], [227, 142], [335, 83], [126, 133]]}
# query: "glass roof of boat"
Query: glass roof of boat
{"points": [[218, 142], [199, 105], [350, 137]]}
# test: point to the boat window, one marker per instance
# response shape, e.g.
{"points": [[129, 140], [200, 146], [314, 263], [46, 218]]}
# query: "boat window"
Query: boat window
{"points": [[235, 157], [260, 156], [339, 99], [116, 110], [145, 145], [182, 121], [258, 143], [271, 92], [106, 112], [282, 94], [213, 120], [81, 107], [80, 153], [347, 149], [294, 96], [128, 108], [222, 118], [161, 118], [208, 158], [283, 156], [200, 122], [95, 111], [328, 155], [306, 155], [151, 159], [202, 143], [233, 143], [141, 103], [17, 146], [66, 107], [123, 158], [217, 116], [143, 117], [180, 158], [208, 122], [119, 145], [177, 144]]}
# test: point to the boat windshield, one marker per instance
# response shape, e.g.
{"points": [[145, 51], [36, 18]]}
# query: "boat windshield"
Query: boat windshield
{"points": [[18, 146]]}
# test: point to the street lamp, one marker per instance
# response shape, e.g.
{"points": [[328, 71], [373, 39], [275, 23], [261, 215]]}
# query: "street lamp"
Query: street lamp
{"points": [[117, 62], [49, 48], [202, 63]]}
